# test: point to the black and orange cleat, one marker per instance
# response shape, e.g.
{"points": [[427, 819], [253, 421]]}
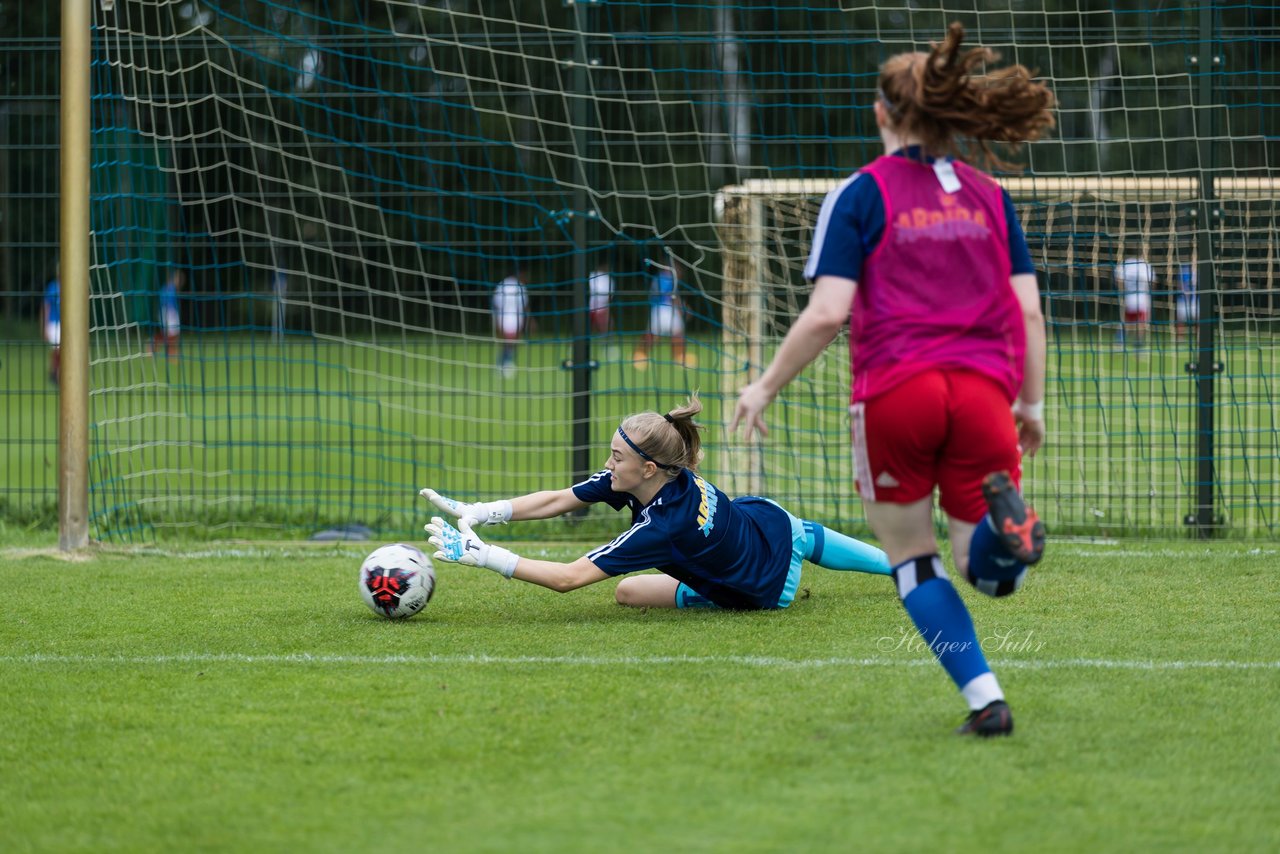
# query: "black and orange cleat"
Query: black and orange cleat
{"points": [[992, 719], [1017, 525]]}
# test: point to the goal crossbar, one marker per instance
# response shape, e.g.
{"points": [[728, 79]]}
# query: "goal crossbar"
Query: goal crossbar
{"points": [[1046, 189]]}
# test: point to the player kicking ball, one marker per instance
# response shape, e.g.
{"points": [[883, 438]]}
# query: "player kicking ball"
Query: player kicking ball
{"points": [[711, 551]]}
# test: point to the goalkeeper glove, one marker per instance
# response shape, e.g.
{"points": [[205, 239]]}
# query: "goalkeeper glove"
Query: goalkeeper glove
{"points": [[484, 512], [462, 545]]}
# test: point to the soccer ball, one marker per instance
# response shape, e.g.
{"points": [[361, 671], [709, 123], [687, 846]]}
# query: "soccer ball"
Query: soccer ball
{"points": [[397, 581]]}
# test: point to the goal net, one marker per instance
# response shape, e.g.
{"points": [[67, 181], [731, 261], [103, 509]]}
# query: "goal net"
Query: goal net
{"points": [[344, 185]]}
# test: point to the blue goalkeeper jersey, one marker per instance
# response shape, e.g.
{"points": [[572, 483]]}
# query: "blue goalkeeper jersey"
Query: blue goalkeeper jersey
{"points": [[735, 553]]}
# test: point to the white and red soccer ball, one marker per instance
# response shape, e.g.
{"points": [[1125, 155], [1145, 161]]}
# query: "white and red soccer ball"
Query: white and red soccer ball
{"points": [[397, 580]]}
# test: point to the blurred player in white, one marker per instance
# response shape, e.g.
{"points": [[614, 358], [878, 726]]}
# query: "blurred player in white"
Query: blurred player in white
{"points": [[1134, 278], [600, 285], [510, 307], [1186, 305]]}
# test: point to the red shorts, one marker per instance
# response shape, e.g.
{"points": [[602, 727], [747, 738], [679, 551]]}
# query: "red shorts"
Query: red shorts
{"points": [[1136, 316], [948, 429]]}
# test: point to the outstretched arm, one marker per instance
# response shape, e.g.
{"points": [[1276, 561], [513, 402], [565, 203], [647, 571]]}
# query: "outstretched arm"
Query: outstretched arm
{"points": [[463, 545], [1028, 409], [536, 505], [545, 505], [561, 577]]}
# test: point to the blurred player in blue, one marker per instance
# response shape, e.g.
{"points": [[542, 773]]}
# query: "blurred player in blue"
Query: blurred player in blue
{"points": [[711, 551], [170, 318], [666, 317], [51, 323]]}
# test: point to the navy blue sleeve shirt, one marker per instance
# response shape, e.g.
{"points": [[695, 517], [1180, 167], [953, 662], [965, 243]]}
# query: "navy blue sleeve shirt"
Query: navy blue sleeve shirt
{"points": [[736, 553]]}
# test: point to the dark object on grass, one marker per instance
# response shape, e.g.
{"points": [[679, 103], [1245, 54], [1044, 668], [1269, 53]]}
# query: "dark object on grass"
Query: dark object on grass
{"points": [[342, 532]]}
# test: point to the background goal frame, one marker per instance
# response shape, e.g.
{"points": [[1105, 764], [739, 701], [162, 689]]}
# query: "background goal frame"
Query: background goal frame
{"points": [[743, 220]]}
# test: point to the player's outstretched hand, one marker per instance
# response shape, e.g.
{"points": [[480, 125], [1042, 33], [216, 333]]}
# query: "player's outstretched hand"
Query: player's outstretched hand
{"points": [[452, 545], [752, 402], [482, 512], [463, 545]]}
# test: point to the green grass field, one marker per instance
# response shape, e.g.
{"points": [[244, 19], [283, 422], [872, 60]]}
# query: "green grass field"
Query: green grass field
{"points": [[246, 437], [241, 698]]}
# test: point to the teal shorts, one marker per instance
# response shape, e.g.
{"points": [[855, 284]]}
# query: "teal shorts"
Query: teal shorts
{"points": [[687, 597]]}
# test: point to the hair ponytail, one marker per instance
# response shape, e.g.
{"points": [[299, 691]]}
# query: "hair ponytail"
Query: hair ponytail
{"points": [[673, 441], [946, 97]]}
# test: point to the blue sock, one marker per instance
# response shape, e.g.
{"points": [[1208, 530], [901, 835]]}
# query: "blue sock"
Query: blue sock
{"points": [[833, 550], [992, 568], [941, 618]]}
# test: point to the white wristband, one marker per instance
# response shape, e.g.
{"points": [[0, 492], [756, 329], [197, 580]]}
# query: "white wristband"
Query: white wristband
{"points": [[496, 512], [502, 561], [1032, 411]]}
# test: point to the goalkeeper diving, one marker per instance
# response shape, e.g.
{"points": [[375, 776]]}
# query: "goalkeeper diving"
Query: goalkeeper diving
{"points": [[712, 552]]}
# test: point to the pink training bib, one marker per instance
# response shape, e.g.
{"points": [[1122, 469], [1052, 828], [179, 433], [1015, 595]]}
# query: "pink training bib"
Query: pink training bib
{"points": [[935, 293]]}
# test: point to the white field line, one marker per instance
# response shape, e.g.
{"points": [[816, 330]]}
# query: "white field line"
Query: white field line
{"points": [[1188, 553], [765, 662], [357, 550]]}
